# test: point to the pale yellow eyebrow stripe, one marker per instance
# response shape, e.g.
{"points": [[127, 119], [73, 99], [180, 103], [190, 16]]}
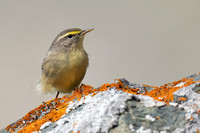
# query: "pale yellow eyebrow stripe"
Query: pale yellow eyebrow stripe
{"points": [[72, 33]]}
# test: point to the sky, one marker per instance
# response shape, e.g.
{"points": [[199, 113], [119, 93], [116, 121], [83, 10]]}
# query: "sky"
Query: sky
{"points": [[149, 42]]}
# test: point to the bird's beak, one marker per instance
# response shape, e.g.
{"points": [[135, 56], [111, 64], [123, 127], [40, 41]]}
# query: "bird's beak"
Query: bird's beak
{"points": [[86, 31]]}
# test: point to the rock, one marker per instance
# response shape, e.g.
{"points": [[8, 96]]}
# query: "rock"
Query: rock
{"points": [[118, 107]]}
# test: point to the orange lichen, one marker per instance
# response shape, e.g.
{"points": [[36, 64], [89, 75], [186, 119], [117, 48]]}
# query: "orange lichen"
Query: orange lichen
{"points": [[30, 124], [182, 99], [165, 93], [74, 124], [198, 111], [56, 108], [158, 117]]}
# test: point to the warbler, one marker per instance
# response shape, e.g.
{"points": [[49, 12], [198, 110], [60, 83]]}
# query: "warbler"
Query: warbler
{"points": [[65, 63]]}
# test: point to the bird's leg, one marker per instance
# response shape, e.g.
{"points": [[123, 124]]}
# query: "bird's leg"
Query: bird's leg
{"points": [[79, 86], [57, 94]]}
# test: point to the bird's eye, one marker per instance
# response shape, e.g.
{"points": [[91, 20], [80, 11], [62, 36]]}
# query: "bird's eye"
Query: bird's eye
{"points": [[69, 36]]}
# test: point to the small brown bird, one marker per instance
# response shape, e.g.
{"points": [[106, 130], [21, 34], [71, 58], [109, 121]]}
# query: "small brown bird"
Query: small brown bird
{"points": [[65, 63]]}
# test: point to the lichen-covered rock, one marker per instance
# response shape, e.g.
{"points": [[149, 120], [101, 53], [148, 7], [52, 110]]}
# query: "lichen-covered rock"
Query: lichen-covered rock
{"points": [[119, 107]]}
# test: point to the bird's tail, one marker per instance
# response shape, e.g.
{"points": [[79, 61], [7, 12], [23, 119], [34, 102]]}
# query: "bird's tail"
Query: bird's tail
{"points": [[43, 87]]}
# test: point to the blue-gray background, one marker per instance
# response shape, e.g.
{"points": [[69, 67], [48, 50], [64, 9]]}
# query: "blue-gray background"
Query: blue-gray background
{"points": [[151, 42]]}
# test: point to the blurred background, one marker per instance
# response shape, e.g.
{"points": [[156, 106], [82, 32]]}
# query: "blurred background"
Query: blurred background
{"points": [[151, 42]]}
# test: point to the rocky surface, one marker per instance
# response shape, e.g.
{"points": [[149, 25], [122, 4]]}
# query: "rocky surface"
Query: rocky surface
{"points": [[119, 107]]}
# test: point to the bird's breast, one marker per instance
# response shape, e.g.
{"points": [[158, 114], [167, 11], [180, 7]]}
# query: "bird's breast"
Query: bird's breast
{"points": [[77, 59], [74, 71]]}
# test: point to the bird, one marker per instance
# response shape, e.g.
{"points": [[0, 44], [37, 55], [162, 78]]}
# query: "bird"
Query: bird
{"points": [[65, 63]]}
